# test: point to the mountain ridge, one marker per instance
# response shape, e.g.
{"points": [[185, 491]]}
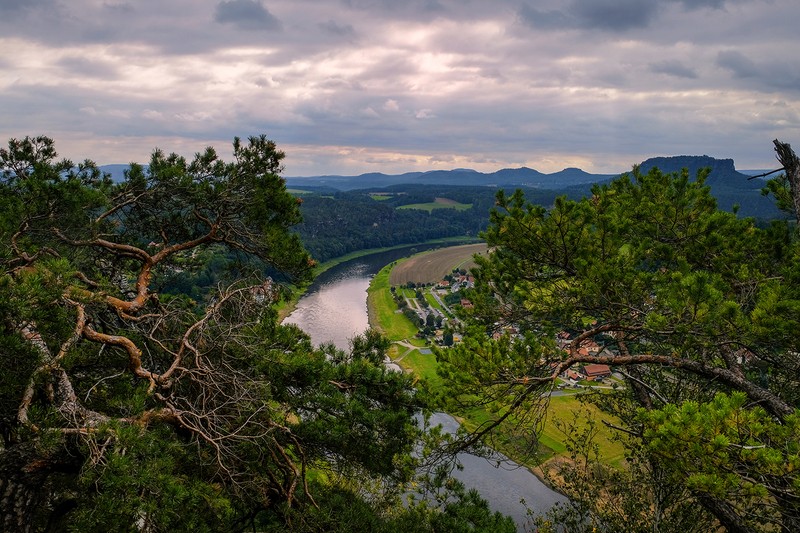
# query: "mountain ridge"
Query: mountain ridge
{"points": [[723, 173], [732, 189]]}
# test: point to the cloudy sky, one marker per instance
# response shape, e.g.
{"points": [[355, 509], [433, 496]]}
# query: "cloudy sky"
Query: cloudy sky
{"points": [[352, 86]]}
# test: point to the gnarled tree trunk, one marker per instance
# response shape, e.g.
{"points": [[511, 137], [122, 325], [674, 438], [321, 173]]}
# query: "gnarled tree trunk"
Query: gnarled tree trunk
{"points": [[25, 478], [791, 166]]}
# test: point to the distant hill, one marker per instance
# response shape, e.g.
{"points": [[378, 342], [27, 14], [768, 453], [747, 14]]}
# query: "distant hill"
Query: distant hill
{"points": [[507, 177], [117, 171], [729, 186]]}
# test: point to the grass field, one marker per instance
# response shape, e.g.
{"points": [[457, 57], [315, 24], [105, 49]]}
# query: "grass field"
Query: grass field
{"points": [[380, 197], [382, 310], [422, 365], [564, 409], [433, 302], [430, 267], [438, 203]]}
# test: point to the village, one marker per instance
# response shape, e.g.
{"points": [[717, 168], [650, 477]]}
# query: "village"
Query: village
{"points": [[435, 309]]}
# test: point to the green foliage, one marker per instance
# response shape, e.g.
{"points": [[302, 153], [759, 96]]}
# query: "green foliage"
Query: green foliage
{"points": [[693, 304], [446, 507], [146, 383], [642, 497], [147, 480], [349, 221], [732, 451]]}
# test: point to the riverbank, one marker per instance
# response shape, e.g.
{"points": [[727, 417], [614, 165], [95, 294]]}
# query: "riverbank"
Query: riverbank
{"points": [[328, 311], [415, 356], [286, 306]]}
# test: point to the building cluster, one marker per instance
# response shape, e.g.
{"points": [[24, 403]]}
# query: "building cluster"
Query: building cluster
{"points": [[586, 371]]}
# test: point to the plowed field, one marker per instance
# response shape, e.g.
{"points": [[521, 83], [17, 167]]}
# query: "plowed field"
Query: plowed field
{"points": [[431, 267]]}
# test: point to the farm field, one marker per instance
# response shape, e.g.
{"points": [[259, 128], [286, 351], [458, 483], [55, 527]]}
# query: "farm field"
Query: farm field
{"points": [[430, 267], [439, 203]]}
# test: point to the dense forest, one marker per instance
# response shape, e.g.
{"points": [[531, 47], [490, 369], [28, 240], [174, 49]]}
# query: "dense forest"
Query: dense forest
{"points": [[348, 221], [337, 223]]}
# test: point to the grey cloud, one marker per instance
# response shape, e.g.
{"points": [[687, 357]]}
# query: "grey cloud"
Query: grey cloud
{"points": [[699, 4], [406, 8], [394, 67], [673, 68], [342, 30], [118, 7], [88, 68], [246, 15], [426, 5], [502, 82], [7, 6], [545, 19], [739, 64], [606, 15], [615, 15]]}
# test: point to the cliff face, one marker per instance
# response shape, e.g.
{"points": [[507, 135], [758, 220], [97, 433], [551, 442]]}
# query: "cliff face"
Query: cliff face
{"points": [[723, 171], [729, 187]]}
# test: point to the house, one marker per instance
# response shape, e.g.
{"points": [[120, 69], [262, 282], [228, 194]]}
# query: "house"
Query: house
{"points": [[594, 372], [585, 348], [591, 347]]}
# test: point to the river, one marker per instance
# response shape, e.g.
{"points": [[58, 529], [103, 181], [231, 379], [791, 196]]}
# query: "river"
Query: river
{"points": [[334, 309]]}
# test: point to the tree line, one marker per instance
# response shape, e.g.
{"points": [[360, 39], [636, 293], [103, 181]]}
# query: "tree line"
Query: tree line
{"points": [[335, 225]]}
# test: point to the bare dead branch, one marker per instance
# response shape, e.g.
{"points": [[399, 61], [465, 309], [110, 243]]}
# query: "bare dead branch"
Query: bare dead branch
{"points": [[117, 207], [765, 174]]}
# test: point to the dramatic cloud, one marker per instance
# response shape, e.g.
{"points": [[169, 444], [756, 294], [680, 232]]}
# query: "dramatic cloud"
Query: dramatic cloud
{"points": [[246, 15], [615, 15], [737, 63], [344, 30], [605, 15], [349, 86], [673, 68]]}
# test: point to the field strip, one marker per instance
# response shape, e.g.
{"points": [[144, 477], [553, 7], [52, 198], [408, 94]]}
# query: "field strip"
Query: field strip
{"points": [[430, 267]]}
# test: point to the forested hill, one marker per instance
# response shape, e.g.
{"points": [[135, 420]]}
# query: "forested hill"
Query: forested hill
{"points": [[348, 213], [507, 177], [729, 186], [723, 172], [337, 223]]}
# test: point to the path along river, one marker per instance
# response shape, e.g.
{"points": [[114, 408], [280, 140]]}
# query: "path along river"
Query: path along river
{"points": [[334, 309]]}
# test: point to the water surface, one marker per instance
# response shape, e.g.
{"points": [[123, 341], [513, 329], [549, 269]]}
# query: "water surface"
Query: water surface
{"points": [[334, 309]]}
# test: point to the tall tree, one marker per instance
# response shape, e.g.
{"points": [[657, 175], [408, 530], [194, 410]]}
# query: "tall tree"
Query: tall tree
{"points": [[697, 308], [124, 408]]}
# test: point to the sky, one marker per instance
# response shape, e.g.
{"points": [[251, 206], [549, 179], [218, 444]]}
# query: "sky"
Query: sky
{"points": [[356, 86]]}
